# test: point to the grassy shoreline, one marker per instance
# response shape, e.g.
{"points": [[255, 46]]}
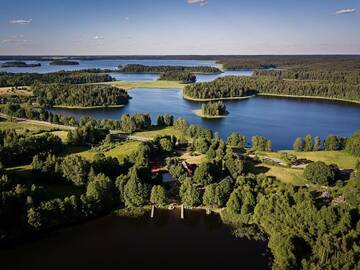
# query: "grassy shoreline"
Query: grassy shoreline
{"points": [[200, 114], [310, 97]]}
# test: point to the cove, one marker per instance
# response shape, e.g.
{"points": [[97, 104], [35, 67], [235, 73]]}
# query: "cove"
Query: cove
{"points": [[166, 241], [279, 119]]}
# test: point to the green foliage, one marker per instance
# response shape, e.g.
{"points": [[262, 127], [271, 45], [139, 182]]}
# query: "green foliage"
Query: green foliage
{"points": [[158, 196], [137, 68], [217, 194], [165, 120], [317, 144], [188, 193], [166, 145], [353, 144], [289, 158], [214, 108], [100, 192], [181, 124], [75, 169], [308, 143], [206, 173], [298, 145], [176, 75], [135, 192], [320, 173], [236, 140], [201, 145]]}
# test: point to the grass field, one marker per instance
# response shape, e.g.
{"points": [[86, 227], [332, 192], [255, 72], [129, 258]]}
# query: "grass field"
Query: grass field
{"points": [[147, 84], [155, 131], [11, 91], [23, 127], [343, 159]]}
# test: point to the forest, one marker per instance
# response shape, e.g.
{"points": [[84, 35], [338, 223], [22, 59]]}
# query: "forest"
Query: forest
{"points": [[72, 77], [137, 68], [19, 64], [233, 86], [177, 75], [79, 95], [61, 62], [215, 108]]}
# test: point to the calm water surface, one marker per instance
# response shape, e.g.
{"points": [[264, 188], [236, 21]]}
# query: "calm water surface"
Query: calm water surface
{"points": [[166, 242], [279, 119]]}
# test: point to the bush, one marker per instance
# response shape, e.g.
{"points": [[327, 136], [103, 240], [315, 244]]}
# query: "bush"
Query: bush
{"points": [[319, 173]]}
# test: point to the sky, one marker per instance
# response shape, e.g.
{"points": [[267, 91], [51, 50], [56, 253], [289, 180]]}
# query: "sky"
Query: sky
{"points": [[168, 27]]}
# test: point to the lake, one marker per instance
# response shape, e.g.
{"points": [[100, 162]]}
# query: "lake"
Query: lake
{"points": [[279, 119], [165, 242]]}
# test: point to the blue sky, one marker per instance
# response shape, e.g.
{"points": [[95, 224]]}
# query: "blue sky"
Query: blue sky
{"points": [[179, 26]]}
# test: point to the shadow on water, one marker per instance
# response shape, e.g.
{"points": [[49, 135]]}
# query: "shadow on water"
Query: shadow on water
{"points": [[166, 241]]}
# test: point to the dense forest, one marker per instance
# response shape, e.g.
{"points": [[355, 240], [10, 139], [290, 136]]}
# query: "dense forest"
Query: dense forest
{"points": [[60, 62], [19, 64], [177, 75], [215, 108], [232, 86], [349, 77], [79, 95], [137, 68], [73, 77]]}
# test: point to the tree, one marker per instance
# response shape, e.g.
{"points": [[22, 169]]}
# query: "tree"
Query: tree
{"points": [[76, 169], [331, 143], [320, 173], [189, 195], [353, 144], [158, 195], [236, 140], [317, 144], [135, 192], [108, 139], [298, 145], [166, 145], [205, 173], [308, 145], [100, 191], [234, 203], [201, 145]]}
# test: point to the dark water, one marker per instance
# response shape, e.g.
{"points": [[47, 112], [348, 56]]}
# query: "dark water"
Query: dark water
{"points": [[279, 119], [166, 242]]}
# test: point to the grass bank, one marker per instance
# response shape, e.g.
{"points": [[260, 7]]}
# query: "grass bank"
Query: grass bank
{"points": [[213, 99]]}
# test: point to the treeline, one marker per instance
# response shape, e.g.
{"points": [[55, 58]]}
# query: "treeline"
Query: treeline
{"points": [[177, 75], [233, 86], [350, 77], [79, 95], [19, 64], [331, 143], [313, 62], [137, 68], [63, 77], [224, 87], [215, 108], [63, 63]]}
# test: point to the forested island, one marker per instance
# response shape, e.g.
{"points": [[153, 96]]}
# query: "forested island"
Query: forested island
{"points": [[212, 109], [71, 77], [60, 62], [137, 68], [79, 96], [19, 64], [176, 75]]}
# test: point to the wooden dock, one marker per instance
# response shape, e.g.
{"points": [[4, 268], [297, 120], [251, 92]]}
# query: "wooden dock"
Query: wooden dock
{"points": [[182, 211]]}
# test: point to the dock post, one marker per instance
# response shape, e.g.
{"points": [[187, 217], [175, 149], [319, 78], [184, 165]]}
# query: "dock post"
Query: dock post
{"points": [[182, 211], [152, 211]]}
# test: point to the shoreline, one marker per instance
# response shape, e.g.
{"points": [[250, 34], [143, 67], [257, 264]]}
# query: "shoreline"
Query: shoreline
{"points": [[87, 107], [213, 99]]}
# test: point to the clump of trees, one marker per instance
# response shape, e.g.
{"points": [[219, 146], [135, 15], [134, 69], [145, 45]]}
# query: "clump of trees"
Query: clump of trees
{"points": [[214, 108], [61, 77], [178, 75], [80, 95], [331, 143], [62, 62], [19, 64], [353, 144], [260, 143]]}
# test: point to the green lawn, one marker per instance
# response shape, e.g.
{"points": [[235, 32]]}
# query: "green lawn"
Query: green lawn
{"points": [[156, 131], [146, 84], [23, 127], [343, 159]]}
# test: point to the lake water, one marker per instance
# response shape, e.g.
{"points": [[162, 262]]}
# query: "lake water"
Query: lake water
{"points": [[279, 119], [165, 242]]}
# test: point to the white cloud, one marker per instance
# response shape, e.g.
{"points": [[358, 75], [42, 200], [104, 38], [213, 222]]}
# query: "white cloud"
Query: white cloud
{"points": [[21, 21], [127, 18], [198, 2], [98, 37], [345, 11]]}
